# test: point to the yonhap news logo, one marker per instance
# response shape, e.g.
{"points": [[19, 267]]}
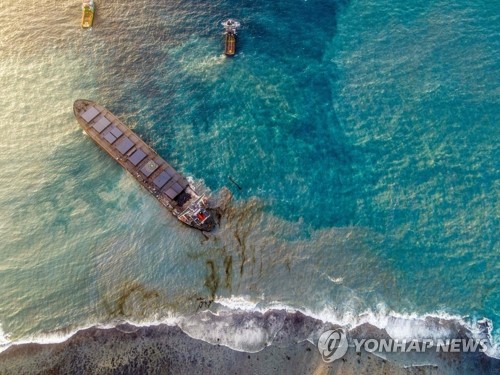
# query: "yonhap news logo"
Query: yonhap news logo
{"points": [[332, 344]]}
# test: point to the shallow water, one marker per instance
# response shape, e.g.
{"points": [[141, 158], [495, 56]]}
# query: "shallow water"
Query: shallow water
{"points": [[363, 135]]}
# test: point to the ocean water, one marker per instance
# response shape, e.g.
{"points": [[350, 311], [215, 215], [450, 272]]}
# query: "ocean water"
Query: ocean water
{"points": [[363, 134]]}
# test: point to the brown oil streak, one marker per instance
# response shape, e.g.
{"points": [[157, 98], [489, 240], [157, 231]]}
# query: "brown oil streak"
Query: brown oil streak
{"points": [[242, 247], [127, 290], [212, 279], [228, 267]]}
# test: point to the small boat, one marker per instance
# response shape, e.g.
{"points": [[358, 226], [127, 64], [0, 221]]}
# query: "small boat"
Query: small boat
{"points": [[230, 27], [87, 13]]}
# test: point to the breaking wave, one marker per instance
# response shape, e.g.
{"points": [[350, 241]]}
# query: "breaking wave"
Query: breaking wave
{"points": [[4, 339], [439, 325], [242, 325]]}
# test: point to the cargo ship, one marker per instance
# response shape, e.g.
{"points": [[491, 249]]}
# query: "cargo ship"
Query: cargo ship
{"points": [[230, 27], [156, 175], [87, 13]]}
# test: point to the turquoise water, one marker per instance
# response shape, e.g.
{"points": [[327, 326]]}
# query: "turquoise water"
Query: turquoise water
{"points": [[363, 135]]}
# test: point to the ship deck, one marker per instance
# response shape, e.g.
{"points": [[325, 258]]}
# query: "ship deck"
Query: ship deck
{"points": [[152, 171], [230, 44], [87, 18]]}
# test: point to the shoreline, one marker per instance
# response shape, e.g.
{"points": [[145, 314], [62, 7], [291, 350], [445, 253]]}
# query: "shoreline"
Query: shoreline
{"points": [[158, 349]]}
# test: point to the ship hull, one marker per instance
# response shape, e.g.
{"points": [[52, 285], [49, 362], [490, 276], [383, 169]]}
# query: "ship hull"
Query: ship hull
{"points": [[230, 44], [152, 172], [87, 17]]}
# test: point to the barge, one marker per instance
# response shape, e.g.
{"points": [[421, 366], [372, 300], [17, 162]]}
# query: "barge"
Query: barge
{"points": [[157, 176], [230, 27], [87, 13]]}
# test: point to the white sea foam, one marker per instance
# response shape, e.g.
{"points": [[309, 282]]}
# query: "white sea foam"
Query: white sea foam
{"points": [[397, 325], [251, 336], [244, 325], [435, 325], [336, 280], [4, 339], [59, 336], [237, 303]]}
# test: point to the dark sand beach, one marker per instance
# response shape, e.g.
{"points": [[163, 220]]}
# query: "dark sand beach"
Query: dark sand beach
{"points": [[163, 349]]}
